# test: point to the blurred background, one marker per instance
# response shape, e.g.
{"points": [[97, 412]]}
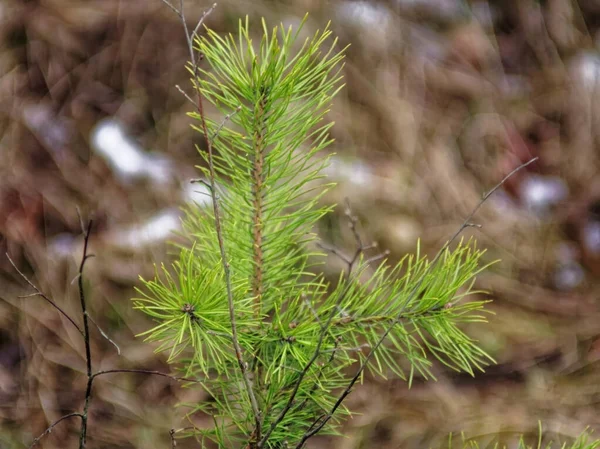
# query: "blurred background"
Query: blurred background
{"points": [[443, 99]]}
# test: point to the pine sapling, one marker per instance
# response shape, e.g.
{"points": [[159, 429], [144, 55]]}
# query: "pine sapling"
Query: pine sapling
{"points": [[245, 307]]}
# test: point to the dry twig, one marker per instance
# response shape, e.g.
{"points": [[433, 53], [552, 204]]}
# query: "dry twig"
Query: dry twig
{"points": [[91, 376]]}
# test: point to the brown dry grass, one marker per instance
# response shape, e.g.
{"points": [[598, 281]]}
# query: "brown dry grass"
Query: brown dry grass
{"points": [[439, 105]]}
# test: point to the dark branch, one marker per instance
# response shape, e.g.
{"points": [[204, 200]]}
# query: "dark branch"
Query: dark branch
{"points": [[52, 426], [144, 371], [86, 338], [336, 252], [104, 333]]}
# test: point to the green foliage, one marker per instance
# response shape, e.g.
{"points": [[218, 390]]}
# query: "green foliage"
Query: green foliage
{"points": [[582, 441], [298, 334]]}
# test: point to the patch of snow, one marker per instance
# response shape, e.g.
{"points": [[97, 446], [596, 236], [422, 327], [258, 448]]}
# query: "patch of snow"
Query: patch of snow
{"points": [[126, 157], [540, 193]]}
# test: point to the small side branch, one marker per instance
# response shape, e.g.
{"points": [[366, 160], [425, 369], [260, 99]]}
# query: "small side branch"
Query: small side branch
{"points": [[223, 122], [104, 334], [467, 223], [52, 426], [201, 21], [361, 247], [144, 371]]}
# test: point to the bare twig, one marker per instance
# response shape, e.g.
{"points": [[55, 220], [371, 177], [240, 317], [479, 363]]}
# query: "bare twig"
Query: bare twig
{"points": [[484, 198], [352, 223], [188, 36], [201, 181], [52, 426], [320, 422], [144, 371], [333, 351], [378, 257], [91, 376], [184, 93], [41, 294], [86, 338], [361, 248], [104, 333], [222, 124], [175, 10], [336, 252], [201, 21]]}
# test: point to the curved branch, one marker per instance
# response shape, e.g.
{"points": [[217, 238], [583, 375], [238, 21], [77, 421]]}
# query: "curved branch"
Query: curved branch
{"points": [[52, 426]]}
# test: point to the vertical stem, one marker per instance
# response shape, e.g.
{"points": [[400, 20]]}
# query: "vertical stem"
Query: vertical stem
{"points": [[86, 338]]}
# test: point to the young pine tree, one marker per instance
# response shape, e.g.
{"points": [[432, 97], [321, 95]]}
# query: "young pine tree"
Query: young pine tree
{"points": [[244, 307]]}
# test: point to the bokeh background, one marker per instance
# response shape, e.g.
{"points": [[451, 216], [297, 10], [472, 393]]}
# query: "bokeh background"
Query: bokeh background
{"points": [[443, 99]]}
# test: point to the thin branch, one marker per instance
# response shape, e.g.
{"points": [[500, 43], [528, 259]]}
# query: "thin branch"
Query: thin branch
{"points": [[104, 334], [188, 36], [201, 21], [361, 248], [288, 406], [322, 421], [86, 338], [201, 181], [223, 122], [352, 223], [219, 231], [183, 92], [175, 10], [38, 292], [336, 252], [378, 257], [484, 198], [52, 426], [144, 371], [371, 246]]}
